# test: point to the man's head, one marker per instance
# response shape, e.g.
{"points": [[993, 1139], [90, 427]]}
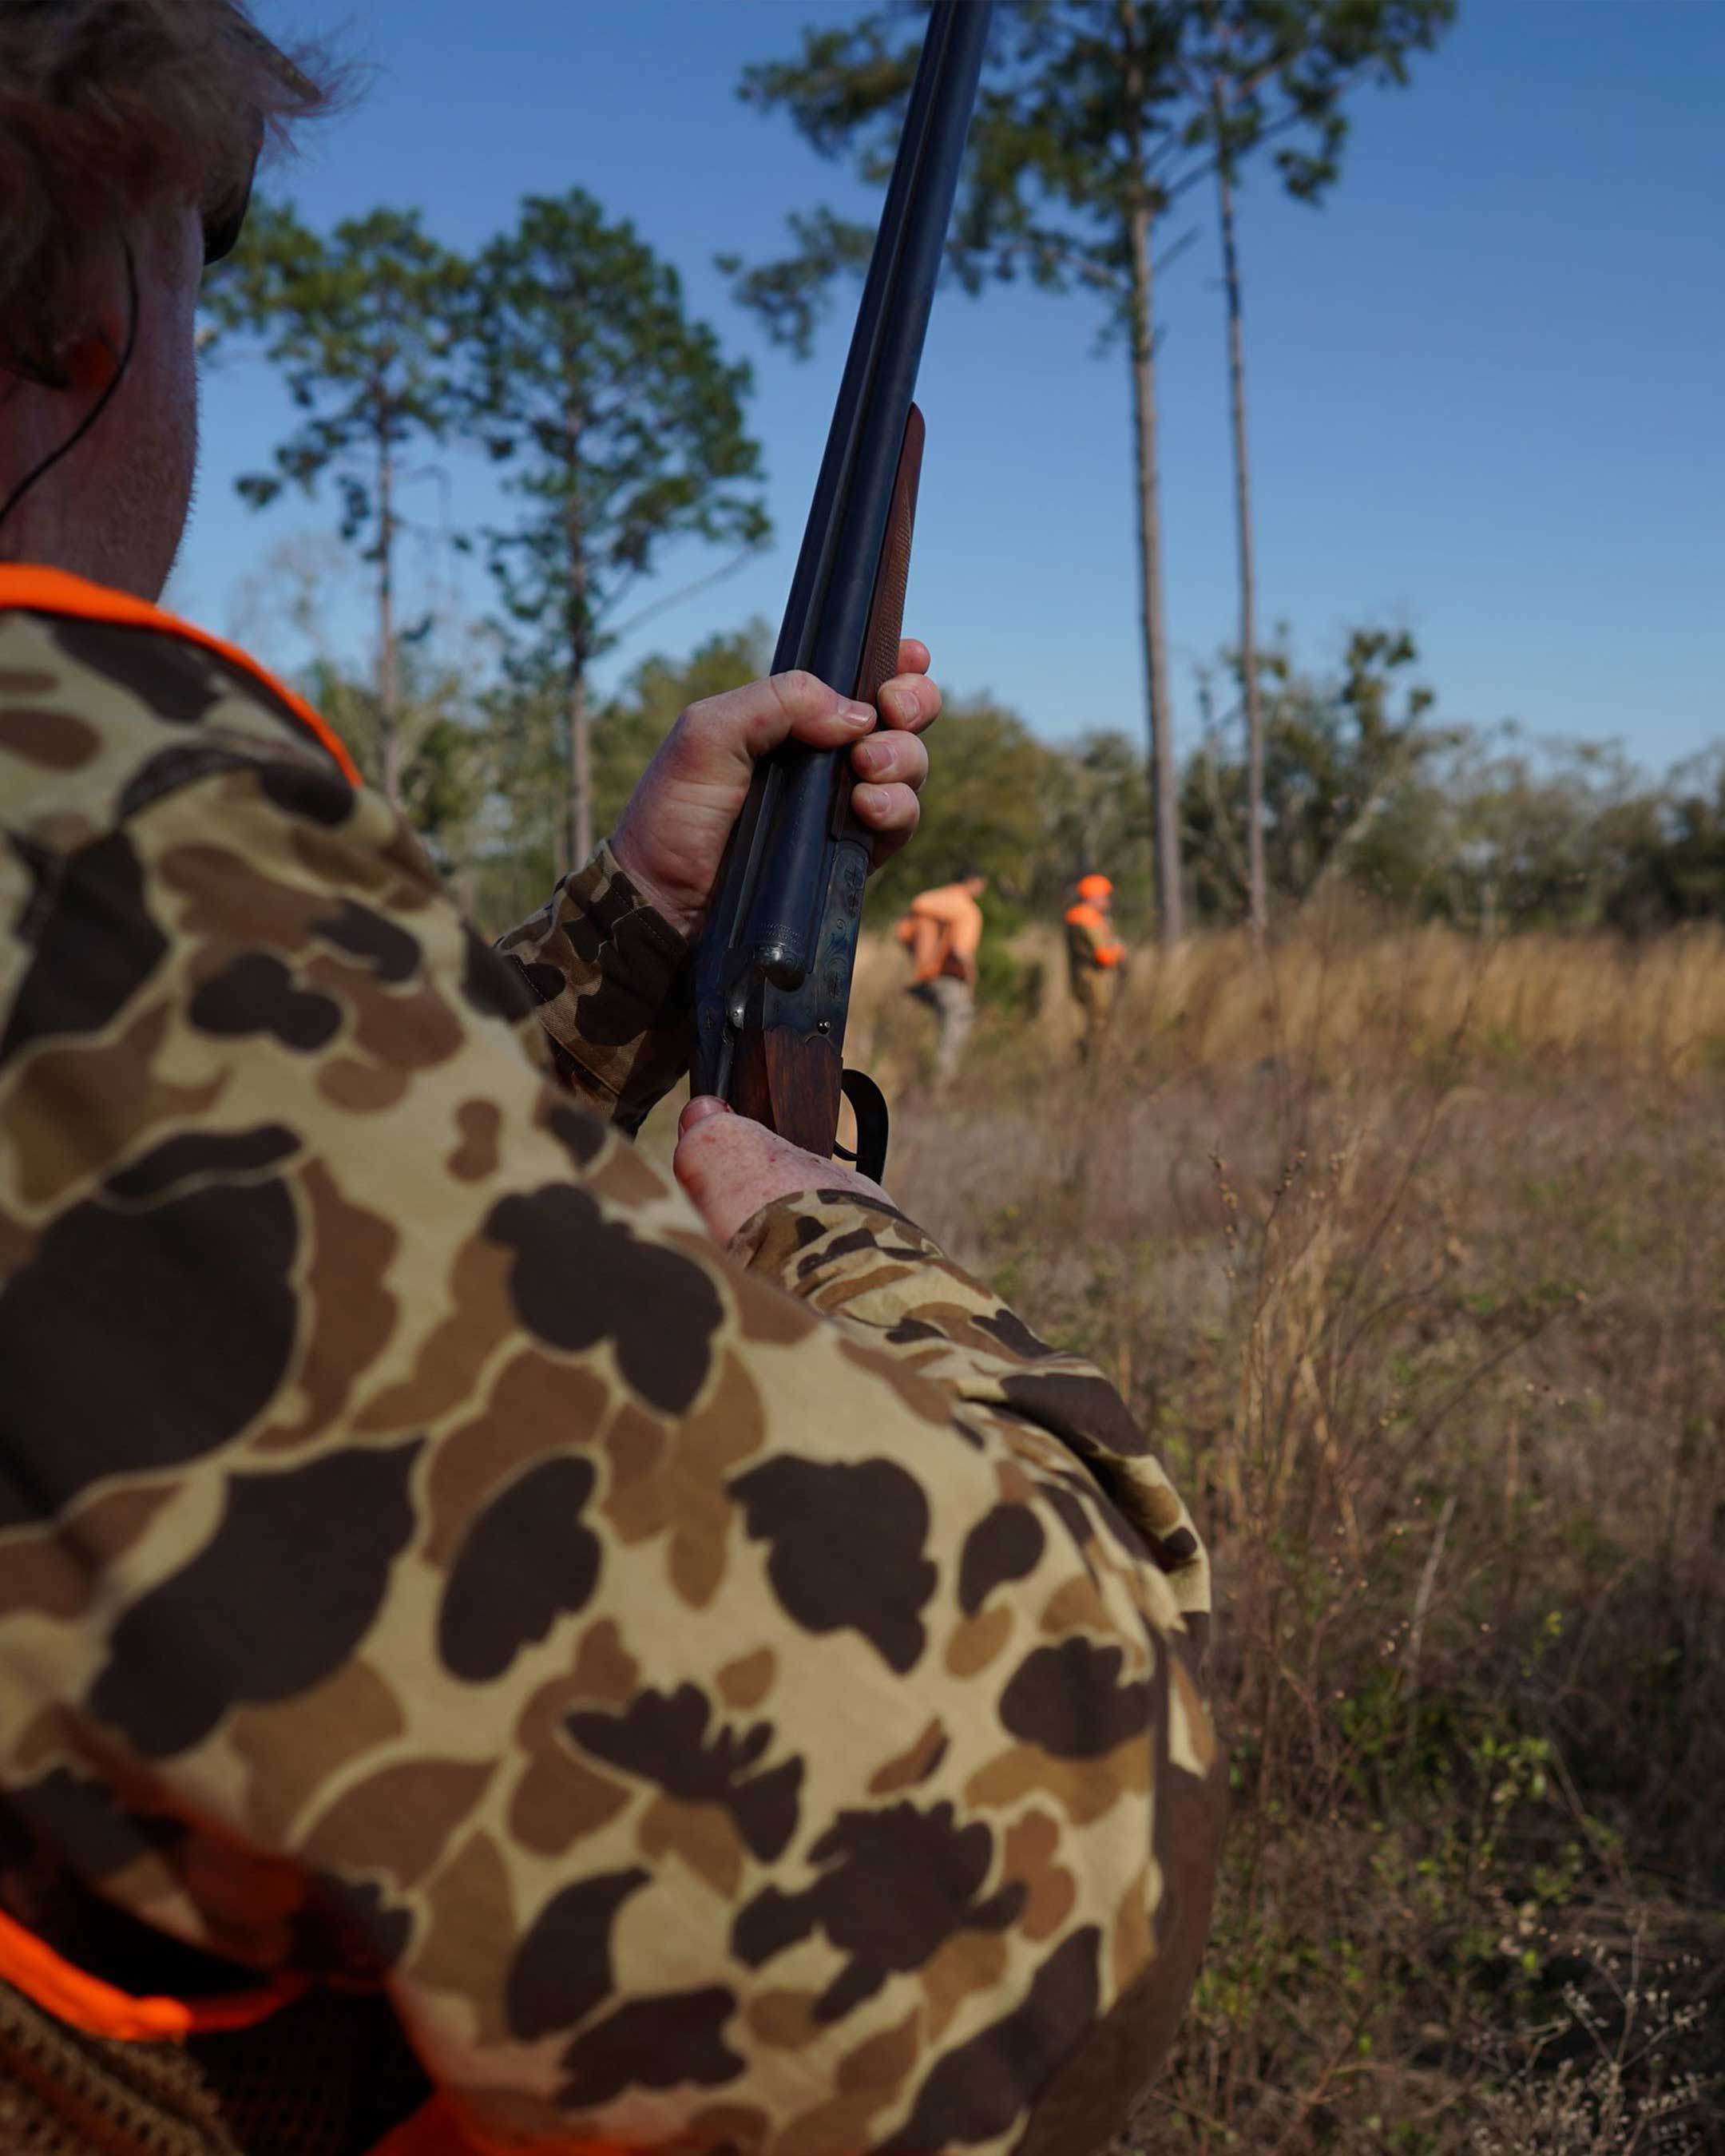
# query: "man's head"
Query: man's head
{"points": [[1096, 890], [973, 880], [128, 133]]}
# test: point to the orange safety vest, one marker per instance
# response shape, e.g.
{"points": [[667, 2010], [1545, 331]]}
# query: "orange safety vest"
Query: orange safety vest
{"points": [[29, 1963], [1085, 915]]}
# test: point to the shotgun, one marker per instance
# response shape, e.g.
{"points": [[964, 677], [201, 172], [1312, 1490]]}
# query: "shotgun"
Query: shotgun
{"points": [[773, 973]]}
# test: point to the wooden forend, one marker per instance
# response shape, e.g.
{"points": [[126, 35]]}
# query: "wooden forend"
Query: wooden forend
{"points": [[789, 1082]]}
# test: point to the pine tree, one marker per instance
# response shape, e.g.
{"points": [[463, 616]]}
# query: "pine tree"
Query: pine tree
{"points": [[621, 425], [1065, 184], [1256, 72], [358, 323]]}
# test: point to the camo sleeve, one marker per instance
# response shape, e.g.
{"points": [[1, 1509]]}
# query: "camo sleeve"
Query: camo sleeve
{"points": [[876, 1272], [609, 979], [750, 1706]]}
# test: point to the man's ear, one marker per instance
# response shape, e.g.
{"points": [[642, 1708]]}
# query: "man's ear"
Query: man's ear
{"points": [[89, 360]]}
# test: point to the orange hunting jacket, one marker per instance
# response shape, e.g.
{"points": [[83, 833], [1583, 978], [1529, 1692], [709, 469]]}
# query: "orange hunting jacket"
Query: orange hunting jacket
{"points": [[1090, 940]]}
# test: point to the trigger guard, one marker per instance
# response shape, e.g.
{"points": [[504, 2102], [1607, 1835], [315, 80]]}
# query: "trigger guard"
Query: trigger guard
{"points": [[869, 1105]]}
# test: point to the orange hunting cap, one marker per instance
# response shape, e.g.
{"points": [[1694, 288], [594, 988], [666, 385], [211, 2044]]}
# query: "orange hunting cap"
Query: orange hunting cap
{"points": [[1094, 888]]}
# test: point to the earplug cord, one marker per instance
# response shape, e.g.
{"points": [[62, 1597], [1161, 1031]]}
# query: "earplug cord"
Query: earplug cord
{"points": [[100, 405]]}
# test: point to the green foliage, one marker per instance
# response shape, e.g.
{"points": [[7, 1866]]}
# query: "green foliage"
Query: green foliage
{"points": [[1257, 71], [1492, 832], [447, 775], [982, 807], [622, 426], [1003, 982], [632, 723], [1047, 175], [620, 420], [565, 353], [1436, 821], [359, 324], [1087, 107], [1097, 812], [1339, 758], [1672, 848], [1477, 827], [568, 354]]}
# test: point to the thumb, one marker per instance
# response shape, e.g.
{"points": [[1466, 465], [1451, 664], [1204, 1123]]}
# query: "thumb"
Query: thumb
{"points": [[698, 1110]]}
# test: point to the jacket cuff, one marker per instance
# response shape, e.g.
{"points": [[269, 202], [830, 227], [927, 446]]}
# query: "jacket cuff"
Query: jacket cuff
{"points": [[611, 982]]}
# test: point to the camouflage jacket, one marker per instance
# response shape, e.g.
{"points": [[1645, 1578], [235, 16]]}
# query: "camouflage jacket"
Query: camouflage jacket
{"points": [[744, 1701]]}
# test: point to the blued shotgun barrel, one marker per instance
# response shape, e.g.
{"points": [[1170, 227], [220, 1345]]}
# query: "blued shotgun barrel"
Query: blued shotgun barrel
{"points": [[772, 976]]}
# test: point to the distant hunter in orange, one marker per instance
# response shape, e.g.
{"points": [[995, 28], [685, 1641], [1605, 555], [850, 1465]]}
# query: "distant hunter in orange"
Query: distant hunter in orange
{"points": [[1094, 956], [942, 932]]}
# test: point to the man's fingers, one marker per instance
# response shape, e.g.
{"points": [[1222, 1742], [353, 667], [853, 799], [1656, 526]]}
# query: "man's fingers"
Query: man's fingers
{"points": [[884, 758], [701, 1146], [747, 722], [889, 811], [671, 838], [910, 700], [698, 1109]]}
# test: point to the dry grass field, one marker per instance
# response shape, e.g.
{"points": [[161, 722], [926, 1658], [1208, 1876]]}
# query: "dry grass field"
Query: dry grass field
{"points": [[1410, 1252]]}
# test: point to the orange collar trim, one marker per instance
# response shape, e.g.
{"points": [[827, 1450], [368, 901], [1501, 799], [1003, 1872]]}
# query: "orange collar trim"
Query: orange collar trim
{"points": [[34, 590], [101, 2009]]}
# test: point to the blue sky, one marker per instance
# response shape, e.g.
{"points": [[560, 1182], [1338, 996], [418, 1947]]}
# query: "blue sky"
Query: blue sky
{"points": [[1486, 378]]}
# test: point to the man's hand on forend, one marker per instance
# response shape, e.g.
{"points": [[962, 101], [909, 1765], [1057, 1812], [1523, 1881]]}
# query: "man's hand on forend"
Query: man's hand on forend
{"points": [[672, 834]]}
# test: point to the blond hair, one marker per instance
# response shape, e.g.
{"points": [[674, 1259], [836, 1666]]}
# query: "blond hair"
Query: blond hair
{"points": [[106, 108]]}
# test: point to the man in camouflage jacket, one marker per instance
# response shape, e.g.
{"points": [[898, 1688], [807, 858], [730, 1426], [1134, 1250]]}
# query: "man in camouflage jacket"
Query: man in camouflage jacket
{"points": [[706, 1674]]}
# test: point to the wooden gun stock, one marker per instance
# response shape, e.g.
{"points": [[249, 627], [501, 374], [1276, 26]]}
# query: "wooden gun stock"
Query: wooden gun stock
{"points": [[790, 1082], [886, 616]]}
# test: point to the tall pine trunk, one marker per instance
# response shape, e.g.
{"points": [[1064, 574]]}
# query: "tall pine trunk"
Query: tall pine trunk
{"points": [[580, 765], [389, 744], [1258, 900], [579, 749], [1164, 796]]}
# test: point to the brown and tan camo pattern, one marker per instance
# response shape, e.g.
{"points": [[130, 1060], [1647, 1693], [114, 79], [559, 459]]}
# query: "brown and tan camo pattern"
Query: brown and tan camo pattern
{"points": [[742, 1702]]}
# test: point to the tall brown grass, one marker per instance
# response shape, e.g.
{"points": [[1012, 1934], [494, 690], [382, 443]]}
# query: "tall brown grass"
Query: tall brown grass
{"points": [[1411, 1253], [1343, 991]]}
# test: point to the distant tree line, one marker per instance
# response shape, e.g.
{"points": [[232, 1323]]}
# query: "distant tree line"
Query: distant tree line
{"points": [[1484, 827], [1365, 787]]}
